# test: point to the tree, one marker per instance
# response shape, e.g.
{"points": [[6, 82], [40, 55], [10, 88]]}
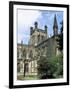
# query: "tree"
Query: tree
{"points": [[50, 67], [56, 64], [60, 38], [45, 68], [42, 67]]}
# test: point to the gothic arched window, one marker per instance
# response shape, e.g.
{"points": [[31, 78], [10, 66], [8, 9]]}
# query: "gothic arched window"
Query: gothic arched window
{"points": [[38, 38], [24, 53], [17, 53], [31, 54], [18, 67], [42, 37], [26, 67]]}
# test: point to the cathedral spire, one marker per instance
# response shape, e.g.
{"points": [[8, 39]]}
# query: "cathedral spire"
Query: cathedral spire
{"points": [[55, 26]]}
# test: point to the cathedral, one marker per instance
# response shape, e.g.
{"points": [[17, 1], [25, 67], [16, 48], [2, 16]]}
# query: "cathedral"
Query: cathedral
{"points": [[39, 44]]}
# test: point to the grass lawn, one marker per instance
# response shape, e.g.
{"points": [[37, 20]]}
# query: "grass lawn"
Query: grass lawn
{"points": [[21, 77]]}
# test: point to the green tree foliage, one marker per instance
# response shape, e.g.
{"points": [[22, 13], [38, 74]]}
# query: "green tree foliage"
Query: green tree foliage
{"points": [[56, 64], [42, 67], [60, 38], [50, 67]]}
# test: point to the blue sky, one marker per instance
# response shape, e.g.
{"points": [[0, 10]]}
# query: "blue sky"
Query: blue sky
{"points": [[26, 19]]}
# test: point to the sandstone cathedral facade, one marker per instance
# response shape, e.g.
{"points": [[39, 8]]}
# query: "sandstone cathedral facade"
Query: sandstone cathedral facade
{"points": [[39, 44]]}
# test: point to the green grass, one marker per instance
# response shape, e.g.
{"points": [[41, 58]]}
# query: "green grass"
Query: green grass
{"points": [[31, 77]]}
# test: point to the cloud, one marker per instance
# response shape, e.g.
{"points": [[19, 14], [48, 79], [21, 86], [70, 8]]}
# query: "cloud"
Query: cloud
{"points": [[26, 18]]}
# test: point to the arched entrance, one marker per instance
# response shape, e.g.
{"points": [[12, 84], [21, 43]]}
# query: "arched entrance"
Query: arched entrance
{"points": [[26, 68]]}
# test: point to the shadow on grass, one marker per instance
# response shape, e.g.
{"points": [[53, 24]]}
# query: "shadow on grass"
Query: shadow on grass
{"points": [[30, 77]]}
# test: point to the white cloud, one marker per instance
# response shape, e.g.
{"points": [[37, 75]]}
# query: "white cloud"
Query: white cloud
{"points": [[26, 19]]}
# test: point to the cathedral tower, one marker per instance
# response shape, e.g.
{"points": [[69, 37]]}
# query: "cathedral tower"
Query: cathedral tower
{"points": [[55, 27], [37, 35]]}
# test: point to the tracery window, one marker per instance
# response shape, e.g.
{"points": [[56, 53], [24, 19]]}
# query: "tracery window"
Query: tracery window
{"points": [[24, 53], [31, 54], [38, 38], [42, 37]]}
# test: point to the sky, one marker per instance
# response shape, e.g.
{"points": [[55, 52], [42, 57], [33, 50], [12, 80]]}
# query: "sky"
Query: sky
{"points": [[27, 18]]}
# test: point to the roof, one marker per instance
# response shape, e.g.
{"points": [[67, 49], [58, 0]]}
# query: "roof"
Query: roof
{"points": [[44, 41], [24, 45], [39, 30]]}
